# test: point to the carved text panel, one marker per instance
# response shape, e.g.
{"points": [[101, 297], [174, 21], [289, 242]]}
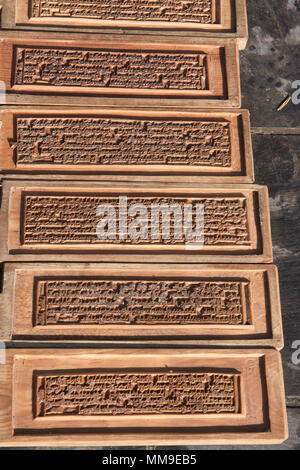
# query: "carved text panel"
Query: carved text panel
{"points": [[141, 10], [92, 68], [108, 141], [65, 219], [90, 394], [100, 302]]}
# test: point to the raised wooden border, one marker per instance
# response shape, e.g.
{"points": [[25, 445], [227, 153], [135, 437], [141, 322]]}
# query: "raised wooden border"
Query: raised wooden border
{"points": [[224, 93], [16, 306], [260, 365], [259, 225], [241, 169], [223, 9], [235, 29]]}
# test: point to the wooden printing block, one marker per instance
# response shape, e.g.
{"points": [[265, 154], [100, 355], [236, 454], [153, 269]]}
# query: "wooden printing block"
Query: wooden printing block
{"points": [[207, 304], [157, 145], [71, 220], [137, 397], [128, 71], [210, 18]]}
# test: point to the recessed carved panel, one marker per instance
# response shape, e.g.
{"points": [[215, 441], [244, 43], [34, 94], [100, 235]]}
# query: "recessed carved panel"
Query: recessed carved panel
{"points": [[229, 304], [226, 304], [206, 145], [92, 394], [105, 219], [99, 302], [192, 19], [95, 141], [64, 219], [112, 73], [144, 10], [164, 15], [88, 68]]}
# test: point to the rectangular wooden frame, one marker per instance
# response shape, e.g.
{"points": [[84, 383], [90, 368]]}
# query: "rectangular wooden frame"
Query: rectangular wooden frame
{"points": [[222, 11], [259, 250], [232, 23], [263, 300], [241, 169], [223, 65], [262, 382]]}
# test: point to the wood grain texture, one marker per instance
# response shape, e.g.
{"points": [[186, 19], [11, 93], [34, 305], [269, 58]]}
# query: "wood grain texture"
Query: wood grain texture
{"points": [[248, 239], [204, 146], [158, 73], [209, 15], [223, 18], [237, 305], [253, 82], [260, 372]]}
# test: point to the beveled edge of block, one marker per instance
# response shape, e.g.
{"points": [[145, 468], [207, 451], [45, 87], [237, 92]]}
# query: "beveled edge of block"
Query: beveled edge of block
{"points": [[239, 31], [265, 327], [241, 170], [272, 337], [277, 433]]}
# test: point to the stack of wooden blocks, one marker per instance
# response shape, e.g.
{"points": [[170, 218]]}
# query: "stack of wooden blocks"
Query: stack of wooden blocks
{"points": [[120, 340]]}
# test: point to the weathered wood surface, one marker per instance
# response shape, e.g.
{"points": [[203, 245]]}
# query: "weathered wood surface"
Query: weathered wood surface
{"points": [[209, 15], [123, 71], [159, 145], [212, 18], [39, 223], [270, 63], [268, 67], [227, 304], [259, 370]]}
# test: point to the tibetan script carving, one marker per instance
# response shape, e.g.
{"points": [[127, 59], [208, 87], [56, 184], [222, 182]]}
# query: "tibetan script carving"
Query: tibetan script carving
{"points": [[201, 11], [94, 302], [63, 219], [91, 394], [107, 141], [83, 397], [61, 67]]}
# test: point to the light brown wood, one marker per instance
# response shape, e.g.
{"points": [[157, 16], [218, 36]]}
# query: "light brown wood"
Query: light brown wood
{"points": [[121, 72], [61, 302], [156, 144], [84, 397], [253, 411], [228, 18], [248, 239], [219, 15]]}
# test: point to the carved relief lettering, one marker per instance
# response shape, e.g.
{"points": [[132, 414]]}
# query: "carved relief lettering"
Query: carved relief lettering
{"points": [[180, 11], [100, 302], [92, 393], [92, 68], [104, 141], [72, 219]]}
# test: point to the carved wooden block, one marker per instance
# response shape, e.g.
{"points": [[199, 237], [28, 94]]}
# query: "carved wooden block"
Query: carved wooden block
{"points": [[138, 74], [231, 223], [210, 304], [205, 145], [184, 396], [211, 18], [210, 15]]}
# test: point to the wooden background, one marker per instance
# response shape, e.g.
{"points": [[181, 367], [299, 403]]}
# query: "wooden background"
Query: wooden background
{"points": [[269, 65]]}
